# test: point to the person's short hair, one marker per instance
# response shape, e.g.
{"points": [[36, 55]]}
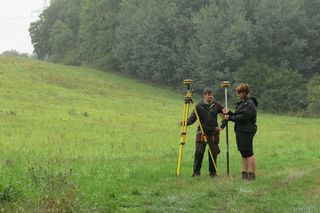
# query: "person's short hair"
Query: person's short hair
{"points": [[207, 91], [245, 88]]}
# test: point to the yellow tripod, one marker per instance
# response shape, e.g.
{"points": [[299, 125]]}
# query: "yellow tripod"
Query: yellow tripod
{"points": [[183, 132]]}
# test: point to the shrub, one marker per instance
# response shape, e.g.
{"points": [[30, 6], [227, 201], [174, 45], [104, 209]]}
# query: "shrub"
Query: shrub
{"points": [[285, 91], [313, 90]]}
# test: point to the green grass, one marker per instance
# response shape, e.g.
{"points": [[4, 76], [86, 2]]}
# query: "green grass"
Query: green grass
{"points": [[81, 140]]}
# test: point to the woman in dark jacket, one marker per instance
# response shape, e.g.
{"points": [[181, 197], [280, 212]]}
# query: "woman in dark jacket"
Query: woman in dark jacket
{"points": [[245, 128]]}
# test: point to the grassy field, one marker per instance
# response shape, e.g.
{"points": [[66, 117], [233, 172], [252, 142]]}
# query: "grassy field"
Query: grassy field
{"points": [[81, 140]]}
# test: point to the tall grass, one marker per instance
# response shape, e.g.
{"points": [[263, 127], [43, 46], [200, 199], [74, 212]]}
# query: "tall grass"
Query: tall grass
{"points": [[80, 140]]}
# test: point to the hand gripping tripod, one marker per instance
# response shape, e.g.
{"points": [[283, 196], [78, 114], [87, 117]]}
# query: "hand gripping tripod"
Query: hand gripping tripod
{"points": [[183, 132]]}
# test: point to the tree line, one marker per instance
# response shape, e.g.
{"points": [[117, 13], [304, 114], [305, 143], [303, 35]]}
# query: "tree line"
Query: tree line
{"points": [[271, 44]]}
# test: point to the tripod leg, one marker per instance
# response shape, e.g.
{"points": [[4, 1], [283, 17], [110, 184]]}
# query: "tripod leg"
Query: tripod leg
{"points": [[183, 135], [205, 139]]}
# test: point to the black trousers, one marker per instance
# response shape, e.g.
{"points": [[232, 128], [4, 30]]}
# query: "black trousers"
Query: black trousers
{"points": [[245, 143], [213, 142]]}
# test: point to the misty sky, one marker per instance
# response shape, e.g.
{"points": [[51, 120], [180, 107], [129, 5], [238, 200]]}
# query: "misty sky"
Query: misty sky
{"points": [[15, 18]]}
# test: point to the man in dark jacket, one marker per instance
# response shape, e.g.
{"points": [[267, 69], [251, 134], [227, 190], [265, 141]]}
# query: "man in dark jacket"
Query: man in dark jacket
{"points": [[245, 127], [208, 111]]}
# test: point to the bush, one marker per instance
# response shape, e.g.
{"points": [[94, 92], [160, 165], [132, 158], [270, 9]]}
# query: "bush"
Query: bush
{"points": [[256, 75], [313, 89], [15, 53], [285, 91], [277, 90]]}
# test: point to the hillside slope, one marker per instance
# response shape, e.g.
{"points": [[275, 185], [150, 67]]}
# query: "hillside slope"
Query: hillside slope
{"points": [[78, 139]]}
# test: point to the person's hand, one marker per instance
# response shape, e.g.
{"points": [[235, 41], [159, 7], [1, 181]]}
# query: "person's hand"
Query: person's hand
{"points": [[226, 117], [218, 129], [225, 110]]}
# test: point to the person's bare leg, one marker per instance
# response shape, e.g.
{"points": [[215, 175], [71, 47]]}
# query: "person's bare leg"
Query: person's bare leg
{"points": [[252, 167], [252, 164], [245, 166]]}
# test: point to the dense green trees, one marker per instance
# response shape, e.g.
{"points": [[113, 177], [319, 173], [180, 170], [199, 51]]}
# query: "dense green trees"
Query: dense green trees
{"points": [[97, 32], [278, 90], [60, 41], [55, 35], [153, 43], [272, 45], [222, 33]]}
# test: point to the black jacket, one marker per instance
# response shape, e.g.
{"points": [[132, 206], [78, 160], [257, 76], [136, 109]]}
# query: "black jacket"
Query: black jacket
{"points": [[245, 116], [208, 117]]}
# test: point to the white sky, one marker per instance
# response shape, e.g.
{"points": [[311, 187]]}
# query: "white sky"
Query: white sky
{"points": [[15, 18]]}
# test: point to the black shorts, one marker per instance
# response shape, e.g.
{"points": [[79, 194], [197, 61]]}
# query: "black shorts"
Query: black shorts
{"points": [[245, 142]]}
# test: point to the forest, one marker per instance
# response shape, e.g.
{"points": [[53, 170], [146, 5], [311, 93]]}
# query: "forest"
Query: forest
{"points": [[271, 44]]}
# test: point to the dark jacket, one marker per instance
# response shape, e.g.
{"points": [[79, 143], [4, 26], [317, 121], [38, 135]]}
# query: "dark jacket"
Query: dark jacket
{"points": [[245, 116], [208, 117]]}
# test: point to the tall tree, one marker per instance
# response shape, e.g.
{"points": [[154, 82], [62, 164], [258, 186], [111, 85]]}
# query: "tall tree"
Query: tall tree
{"points": [[40, 30], [153, 43], [97, 32], [278, 33], [311, 64], [222, 32], [66, 12], [60, 41]]}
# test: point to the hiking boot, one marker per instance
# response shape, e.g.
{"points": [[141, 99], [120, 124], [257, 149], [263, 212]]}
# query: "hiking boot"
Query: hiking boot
{"points": [[251, 176], [244, 175], [212, 175], [195, 174]]}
